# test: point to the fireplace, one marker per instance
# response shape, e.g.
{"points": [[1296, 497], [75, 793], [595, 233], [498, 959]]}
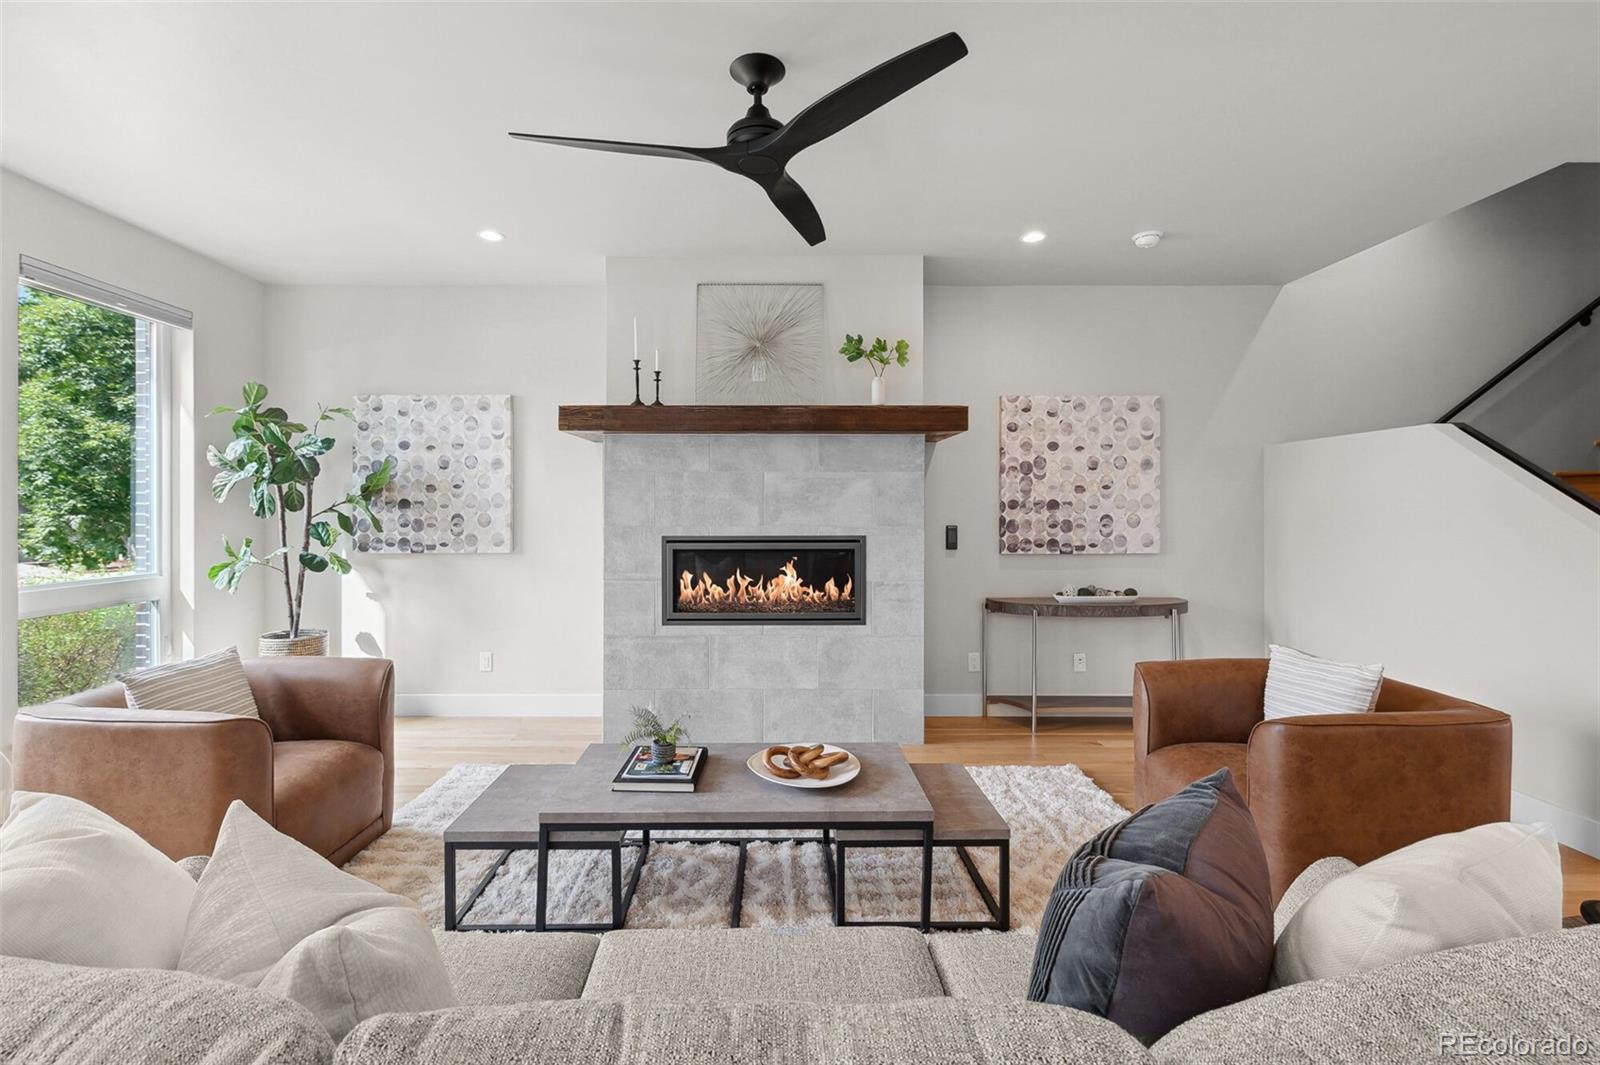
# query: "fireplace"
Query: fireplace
{"points": [[763, 580]]}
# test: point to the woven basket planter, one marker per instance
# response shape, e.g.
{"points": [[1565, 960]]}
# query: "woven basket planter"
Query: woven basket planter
{"points": [[310, 643]]}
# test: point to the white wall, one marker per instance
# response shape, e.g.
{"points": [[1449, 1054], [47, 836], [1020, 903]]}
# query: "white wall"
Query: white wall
{"points": [[1425, 551], [1183, 343], [1391, 336], [1397, 334], [227, 349], [874, 295], [538, 607]]}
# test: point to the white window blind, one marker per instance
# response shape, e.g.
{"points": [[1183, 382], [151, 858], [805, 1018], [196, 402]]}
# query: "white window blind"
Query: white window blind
{"points": [[37, 273]]}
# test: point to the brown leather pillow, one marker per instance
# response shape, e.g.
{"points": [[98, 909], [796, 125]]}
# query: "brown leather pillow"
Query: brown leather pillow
{"points": [[1162, 917]]}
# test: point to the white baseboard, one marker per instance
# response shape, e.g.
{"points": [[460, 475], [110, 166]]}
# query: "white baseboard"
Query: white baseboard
{"points": [[498, 704], [1574, 830], [953, 704]]}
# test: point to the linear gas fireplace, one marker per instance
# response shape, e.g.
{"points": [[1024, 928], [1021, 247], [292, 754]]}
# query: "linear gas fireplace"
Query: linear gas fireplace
{"points": [[763, 580]]}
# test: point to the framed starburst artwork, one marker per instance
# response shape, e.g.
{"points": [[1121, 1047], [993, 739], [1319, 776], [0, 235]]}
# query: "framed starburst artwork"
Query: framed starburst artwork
{"points": [[758, 344]]}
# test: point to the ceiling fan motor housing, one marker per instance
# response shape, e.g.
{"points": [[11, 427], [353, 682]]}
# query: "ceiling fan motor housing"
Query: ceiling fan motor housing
{"points": [[757, 72]]}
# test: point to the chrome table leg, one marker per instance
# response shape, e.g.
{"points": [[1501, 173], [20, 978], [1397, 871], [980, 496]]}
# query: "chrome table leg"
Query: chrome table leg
{"points": [[1033, 670], [983, 659]]}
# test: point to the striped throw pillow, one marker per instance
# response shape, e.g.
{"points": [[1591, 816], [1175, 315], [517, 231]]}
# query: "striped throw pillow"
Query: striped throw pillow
{"points": [[1299, 684], [215, 682]]}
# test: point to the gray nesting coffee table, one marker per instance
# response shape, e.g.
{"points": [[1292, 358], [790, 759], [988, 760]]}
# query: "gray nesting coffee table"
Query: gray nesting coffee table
{"points": [[891, 803]]}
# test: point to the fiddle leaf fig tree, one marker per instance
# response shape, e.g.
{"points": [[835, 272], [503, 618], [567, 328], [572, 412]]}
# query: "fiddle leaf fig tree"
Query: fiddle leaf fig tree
{"points": [[277, 461]]}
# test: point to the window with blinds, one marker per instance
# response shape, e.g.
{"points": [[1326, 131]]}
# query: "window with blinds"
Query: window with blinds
{"points": [[93, 453]]}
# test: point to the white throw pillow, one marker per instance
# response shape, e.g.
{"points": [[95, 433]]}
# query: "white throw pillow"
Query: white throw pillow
{"points": [[1299, 684], [214, 682], [1491, 882], [79, 888], [1312, 879], [272, 913]]}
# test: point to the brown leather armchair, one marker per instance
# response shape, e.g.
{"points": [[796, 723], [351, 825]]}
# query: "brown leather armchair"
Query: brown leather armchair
{"points": [[318, 764], [1353, 785]]}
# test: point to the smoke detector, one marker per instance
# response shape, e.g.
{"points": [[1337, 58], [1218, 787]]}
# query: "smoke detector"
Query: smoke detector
{"points": [[1147, 239]]}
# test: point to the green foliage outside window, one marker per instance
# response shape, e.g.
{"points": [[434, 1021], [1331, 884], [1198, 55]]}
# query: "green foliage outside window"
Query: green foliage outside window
{"points": [[66, 653], [75, 421], [75, 416]]}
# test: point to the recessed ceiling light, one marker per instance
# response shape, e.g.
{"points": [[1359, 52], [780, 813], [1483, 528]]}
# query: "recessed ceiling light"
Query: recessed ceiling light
{"points": [[493, 236], [1032, 236], [1147, 239]]}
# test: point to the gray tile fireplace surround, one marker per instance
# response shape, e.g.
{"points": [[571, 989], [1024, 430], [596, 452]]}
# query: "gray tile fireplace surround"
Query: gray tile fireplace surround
{"points": [[766, 682]]}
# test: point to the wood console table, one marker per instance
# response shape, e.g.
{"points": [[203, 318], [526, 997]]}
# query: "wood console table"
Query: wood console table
{"points": [[1043, 606]]}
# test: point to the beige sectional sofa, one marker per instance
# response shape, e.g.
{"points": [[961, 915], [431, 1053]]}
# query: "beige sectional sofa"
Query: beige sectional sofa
{"points": [[885, 995]]}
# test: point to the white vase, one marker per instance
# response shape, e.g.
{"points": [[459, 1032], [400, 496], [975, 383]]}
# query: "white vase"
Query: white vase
{"points": [[877, 391]]}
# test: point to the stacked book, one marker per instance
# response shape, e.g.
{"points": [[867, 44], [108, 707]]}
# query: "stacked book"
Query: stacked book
{"points": [[641, 772]]}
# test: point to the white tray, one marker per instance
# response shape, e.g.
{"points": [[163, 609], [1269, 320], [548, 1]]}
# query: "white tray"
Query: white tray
{"points": [[843, 773]]}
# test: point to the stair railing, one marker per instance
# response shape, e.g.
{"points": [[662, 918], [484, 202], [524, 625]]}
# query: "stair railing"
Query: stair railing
{"points": [[1583, 319]]}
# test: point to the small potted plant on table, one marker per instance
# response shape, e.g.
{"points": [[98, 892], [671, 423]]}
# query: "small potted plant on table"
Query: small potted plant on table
{"points": [[663, 737]]}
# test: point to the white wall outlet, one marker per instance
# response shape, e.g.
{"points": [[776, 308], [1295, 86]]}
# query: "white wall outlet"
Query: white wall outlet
{"points": [[485, 661], [974, 662], [1080, 662]]}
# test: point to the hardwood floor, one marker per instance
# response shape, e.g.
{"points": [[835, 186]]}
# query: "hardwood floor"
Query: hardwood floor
{"points": [[425, 747]]}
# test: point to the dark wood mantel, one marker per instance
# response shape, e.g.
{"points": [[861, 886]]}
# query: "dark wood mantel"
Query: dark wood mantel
{"points": [[593, 422]]}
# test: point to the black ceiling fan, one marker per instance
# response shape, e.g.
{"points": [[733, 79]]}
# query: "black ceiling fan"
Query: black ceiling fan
{"points": [[759, 146]]}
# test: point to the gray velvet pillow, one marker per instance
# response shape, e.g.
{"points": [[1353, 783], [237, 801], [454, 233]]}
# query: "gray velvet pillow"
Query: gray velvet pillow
{"points": [[1162, 917]]}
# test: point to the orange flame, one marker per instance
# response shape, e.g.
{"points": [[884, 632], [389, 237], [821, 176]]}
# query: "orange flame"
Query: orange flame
{"points": [[787, 592]]}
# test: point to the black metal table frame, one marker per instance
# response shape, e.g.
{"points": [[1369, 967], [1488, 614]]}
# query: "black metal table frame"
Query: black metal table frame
{"points": [[622, 898], [999, 910]]}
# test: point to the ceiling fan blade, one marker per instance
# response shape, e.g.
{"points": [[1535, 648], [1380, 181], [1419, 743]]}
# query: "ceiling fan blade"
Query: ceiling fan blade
{"points": [[664, 151], [863, 95], [796, 206]]}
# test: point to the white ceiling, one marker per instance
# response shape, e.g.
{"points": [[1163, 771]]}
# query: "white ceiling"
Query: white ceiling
{"points": [[365, 143]]}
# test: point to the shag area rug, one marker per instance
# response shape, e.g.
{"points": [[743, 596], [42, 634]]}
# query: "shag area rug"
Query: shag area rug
{"points": [[1051, 810]]}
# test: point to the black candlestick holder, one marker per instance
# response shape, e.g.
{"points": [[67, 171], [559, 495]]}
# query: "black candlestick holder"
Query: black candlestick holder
{"points": [[638, 401], [658, 402]]}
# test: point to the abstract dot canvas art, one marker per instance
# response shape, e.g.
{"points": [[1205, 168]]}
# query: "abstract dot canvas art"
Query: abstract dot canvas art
{"points": [[451, 492], [1080, 475]]}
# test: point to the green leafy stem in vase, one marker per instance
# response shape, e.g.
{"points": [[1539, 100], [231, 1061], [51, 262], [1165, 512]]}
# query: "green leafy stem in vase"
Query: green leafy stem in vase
{"points": [[648, 727], [878, 356], [278, 460]]}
